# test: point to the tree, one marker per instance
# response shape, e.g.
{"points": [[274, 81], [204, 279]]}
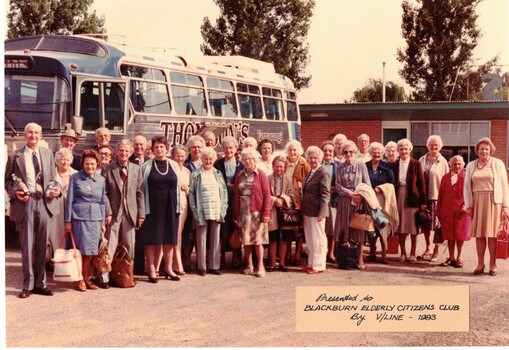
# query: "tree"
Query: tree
{"points": [[373, 92], [30, 17], [268, 30], [440, 37]]}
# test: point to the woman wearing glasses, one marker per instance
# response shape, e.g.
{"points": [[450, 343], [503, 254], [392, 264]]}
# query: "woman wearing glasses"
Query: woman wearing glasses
{"points": [[348, 175]]}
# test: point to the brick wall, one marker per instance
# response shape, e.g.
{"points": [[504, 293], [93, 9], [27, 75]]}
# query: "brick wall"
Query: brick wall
{"points": [[315, 132], [499, 138]]}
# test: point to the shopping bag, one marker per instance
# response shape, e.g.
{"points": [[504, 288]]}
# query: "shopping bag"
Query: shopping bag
{"points": [[503, 242], [392, 244], [347, 255], [122, 274], [67, 262]]}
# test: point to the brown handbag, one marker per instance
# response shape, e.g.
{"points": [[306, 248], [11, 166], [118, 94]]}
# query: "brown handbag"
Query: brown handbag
{"points": [[360, 220], [102, 261], [122, 266], [235, 239]]}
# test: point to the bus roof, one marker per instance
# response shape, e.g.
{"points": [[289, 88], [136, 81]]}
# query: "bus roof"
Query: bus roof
{"points": [[109, 54]]}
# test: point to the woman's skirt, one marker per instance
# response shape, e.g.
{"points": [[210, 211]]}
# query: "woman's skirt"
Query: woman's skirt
{"points": [[406, 214], [485, 220]]}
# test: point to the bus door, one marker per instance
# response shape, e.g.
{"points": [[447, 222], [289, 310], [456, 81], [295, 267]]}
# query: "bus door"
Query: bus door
{"points": [[102, 103]]}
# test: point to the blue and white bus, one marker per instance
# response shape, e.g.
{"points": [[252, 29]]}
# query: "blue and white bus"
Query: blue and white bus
{"points": [[90, 83]]}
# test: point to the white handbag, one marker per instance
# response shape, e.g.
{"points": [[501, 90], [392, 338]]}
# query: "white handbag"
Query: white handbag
{"points": [[67, 262]]}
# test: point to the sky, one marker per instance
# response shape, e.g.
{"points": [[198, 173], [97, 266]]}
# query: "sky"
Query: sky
{"points": [[349, 39]]}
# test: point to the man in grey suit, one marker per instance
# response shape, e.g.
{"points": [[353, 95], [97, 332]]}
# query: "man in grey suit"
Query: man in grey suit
{"points": [[27, 175], [125, 208]]}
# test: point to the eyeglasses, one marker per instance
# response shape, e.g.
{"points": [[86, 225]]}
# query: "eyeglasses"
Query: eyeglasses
{"points": [[348, 152], [105, 154]]}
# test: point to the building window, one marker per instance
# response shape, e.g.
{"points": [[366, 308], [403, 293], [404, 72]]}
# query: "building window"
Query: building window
{"points": [[458, 137]]}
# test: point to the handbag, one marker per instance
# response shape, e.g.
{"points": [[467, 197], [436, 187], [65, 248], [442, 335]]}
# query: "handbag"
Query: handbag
{"points": [[361, 220], [122, 266], [67, 262], [437, 236], [102, 261], [290, 217], [235, 239], [392, 244], [423, 220], [347, 255], [503, 241]]}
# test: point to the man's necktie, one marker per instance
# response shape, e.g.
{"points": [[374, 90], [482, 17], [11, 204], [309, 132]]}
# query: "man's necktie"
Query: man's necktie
{"points": [[37, 169], [123, 174]]}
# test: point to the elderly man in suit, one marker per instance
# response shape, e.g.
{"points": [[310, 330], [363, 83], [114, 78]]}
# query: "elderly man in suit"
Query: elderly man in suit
{"points": [[68, 139], [27, 175], [139, 145], [125, 208]]}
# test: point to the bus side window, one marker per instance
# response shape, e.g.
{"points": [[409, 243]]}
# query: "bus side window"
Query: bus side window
{"points": [[89, 107]]}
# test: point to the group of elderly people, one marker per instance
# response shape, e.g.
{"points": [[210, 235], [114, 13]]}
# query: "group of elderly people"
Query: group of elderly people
{"points": [[195, 198]]}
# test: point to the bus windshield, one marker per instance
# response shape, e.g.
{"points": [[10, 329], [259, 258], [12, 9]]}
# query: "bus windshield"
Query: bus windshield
{"points": [[42, 100]]}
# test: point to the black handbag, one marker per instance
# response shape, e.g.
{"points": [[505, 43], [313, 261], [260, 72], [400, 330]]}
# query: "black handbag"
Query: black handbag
{"points": [[347, 255], [290, 217], [437, 236]]}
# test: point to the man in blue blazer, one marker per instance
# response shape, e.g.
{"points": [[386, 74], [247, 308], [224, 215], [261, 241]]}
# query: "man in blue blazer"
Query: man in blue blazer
{"points": [[27, 175]]}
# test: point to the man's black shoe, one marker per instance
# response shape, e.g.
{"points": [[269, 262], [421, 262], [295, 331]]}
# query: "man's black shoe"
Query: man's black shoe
{"points": [[104, 285], [25, 293], [42, 291]]}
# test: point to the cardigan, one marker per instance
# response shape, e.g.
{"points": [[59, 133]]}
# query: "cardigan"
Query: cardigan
{"points": [[195, 195], [500, 186], [416, 188], [260, 194], [439, 168]]}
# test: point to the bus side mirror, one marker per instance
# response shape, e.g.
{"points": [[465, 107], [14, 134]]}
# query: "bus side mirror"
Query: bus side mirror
{"points": [[77, 124]]}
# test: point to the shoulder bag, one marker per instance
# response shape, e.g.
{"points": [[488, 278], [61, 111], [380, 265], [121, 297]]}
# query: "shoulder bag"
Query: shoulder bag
{"points": [[102, 261]]}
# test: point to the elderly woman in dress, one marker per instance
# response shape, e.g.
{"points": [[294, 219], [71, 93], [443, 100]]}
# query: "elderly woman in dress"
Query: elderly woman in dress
{"points": [[161, 177], [252, 205], [265, 148], [297, 169], [411, 196], [451, 212], [208, 200], [487, 201], [179, 154], [434, 167], [281, 193], [315, 208], [330, 164], [348, 175], [229, 166], [391, 152], [63, 161], [86, 212], [380, 173]]}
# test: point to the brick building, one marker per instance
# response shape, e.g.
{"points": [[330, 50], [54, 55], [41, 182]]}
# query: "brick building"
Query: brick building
{"points": [[460, 124]]}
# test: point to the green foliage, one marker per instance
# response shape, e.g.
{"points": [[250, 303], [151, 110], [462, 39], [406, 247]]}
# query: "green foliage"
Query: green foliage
{"points": [[373, 92], [440, 37], [30, 17], [268, 30]]}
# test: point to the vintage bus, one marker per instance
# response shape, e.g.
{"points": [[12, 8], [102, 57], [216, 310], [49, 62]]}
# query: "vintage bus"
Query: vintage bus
{"points": [[59, 81]]}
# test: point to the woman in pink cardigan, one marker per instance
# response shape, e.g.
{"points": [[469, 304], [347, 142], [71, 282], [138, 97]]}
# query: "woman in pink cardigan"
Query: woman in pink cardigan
{"points": [[251, 211]]}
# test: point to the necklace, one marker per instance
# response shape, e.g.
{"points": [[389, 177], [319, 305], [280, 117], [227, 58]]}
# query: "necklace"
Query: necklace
{"points": [[167, 167], [482, 167]]}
